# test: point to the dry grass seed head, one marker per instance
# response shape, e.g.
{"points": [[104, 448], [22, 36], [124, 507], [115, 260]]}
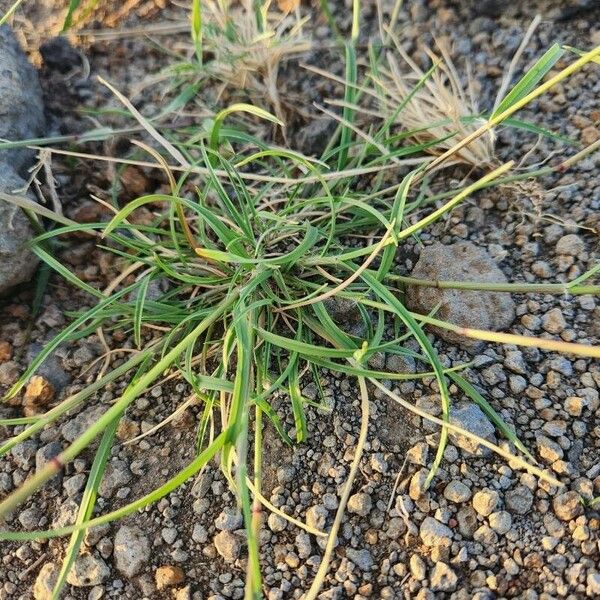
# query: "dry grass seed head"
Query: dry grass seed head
{"points": [[440, 109], [247, 56]]}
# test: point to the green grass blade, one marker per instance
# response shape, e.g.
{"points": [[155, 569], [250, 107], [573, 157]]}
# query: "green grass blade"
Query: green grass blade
{"points": [[86, 506], [530, 80]]}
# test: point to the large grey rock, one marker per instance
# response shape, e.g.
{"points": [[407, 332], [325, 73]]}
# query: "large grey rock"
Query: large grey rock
{"points": [[17, 261], [21, 117], [21, 105], [460, 262]]}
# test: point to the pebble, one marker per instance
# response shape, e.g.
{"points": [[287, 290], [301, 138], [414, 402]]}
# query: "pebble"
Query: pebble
{"points": [[276, 523], [462, 261], [471, 418], [553, 321], [593, 584], [168, 576], [199, 534], [515, 362], [45, 581], [567, 506], [500, 521], [131, 550], [519, 500], [418, 454], [316, 516], [457, 492], [443, 578], [38, 394], [361, 558], [433, 533], [360, 504], [229, 519], [570, 245], [88, 571], [548, 449], [485, 501], [418, 568], [227, 545]]}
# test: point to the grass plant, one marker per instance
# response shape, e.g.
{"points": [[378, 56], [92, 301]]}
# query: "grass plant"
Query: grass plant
{"points": [[253, 259]]}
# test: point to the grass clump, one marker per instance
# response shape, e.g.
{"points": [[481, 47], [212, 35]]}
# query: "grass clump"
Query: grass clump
{"points": [[237, 49], [252, 245]]}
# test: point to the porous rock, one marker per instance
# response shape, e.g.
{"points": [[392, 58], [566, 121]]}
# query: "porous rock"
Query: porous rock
{"points": [[462, 261]]}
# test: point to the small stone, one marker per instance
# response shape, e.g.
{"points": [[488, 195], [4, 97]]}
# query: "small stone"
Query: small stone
{"points": [[443, 578], [360, 504], [117, 474], [567, 506], [467, 521], [24, 454], [88, 571], [30, 518], [5, 351], [485, 501], [548, 449], [418, 454], [500, 522], [417, 484], [74, 427], [286, 474], [457, 492], [574, 405], [303, 545], [553, 321], [74, 485], [593, 585], [316, 516], [131, 550], [517, 384], [434, 534], [38, 394], [199, 534], [570, 245], [397, 363], [276, 523], [45, 581], [96, 593], [168, 576], [185, 593], [472, 418], [229, 519], [9, 372], [417, 567], [519, 500], [45, 454], [169, 534], [515, 362], [485, 535], [227, 545], [361, 558]]}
